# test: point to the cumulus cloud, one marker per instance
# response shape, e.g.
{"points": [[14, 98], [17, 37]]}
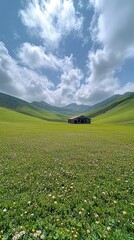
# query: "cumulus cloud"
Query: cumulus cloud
{"points": [[26, 83], [66, 90], [21, 81], [51, 20], [35, 57], [112, 27]]}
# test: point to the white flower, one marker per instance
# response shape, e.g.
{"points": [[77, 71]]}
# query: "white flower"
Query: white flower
{"points": [[4, 210], [108, 228]]}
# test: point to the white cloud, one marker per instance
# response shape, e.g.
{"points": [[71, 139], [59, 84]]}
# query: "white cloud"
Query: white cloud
{"points": [[9, 73], [129, 87], [35, 57], [27, 84], [51, 20], [70, 83], [112, 26], [21, 81]]}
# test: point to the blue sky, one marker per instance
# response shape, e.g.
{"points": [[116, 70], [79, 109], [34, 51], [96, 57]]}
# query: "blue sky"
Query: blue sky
{"points": [[64, 51]]}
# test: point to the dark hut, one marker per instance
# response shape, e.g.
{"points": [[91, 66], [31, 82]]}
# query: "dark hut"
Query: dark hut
{"points": [[79, 120]]}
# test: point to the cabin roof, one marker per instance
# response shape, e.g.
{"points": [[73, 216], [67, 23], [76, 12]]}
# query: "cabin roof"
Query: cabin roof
{"points": [[74, 117]]}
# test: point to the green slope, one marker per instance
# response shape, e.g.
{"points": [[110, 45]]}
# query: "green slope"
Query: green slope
{"points": [[125, 98], [24, 107], [10, 116], [122, 113]]}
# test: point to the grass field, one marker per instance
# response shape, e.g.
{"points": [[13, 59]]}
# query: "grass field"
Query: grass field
{"points": [[61, 181]]}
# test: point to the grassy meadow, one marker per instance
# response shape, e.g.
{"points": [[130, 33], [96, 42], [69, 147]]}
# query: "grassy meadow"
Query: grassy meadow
{"points": [[62, 181]]}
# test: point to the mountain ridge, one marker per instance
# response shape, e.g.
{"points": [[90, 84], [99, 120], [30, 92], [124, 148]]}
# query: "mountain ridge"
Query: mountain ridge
{"points": [[48, 112]]}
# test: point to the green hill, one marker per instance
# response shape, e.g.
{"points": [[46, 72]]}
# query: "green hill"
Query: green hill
{"points": [[68, 110], [111, 105], [24, 107], [121, 111], [118, 108]]}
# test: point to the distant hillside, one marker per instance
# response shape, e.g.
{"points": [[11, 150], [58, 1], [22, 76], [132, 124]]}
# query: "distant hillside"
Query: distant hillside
{"points": [[71, 109], [24, 107], [12, 102], [127, 98], [49, 107], [45, 111], [122, 113], [105, 102]]}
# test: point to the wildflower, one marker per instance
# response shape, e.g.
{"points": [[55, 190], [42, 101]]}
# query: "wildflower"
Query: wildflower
{"points": [[96, 215], [29, 202], [55, 202], [88, 231], [108, 228], [75, 235], [38, 232], [97, 222], [80, 212], [4, 210], [42, 237], [18, 235], [115, 201], [35, 235], [53, 197], [124, 212]]}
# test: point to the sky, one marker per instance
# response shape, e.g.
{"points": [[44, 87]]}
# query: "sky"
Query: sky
{"points": [[66, 51]]}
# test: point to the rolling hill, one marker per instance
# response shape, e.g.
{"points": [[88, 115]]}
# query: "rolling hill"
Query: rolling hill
{"points": [[68, 110], [24, 107], [120, 110], [122, 113]]}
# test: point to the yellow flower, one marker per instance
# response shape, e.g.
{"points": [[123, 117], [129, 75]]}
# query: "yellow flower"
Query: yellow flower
{"points": [[33, 230], [124, 212], [108, 228], [118, 179]]}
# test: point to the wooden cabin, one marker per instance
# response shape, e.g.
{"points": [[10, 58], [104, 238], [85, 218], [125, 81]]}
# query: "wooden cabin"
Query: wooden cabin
{"points": [[79, 120]]}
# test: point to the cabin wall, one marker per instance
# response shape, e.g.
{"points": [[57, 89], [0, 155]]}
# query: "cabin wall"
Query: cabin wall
{"points": [[79, 121]]}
